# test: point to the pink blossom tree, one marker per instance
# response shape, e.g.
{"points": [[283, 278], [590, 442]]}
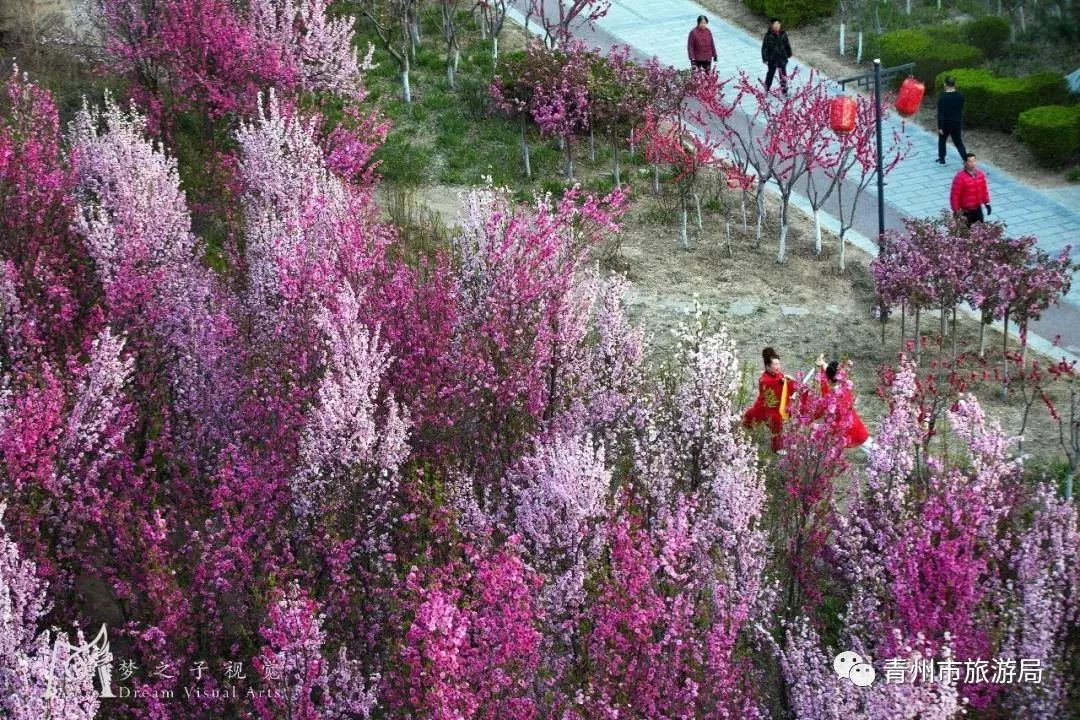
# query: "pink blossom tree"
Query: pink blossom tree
{"points": [[29, 683]]}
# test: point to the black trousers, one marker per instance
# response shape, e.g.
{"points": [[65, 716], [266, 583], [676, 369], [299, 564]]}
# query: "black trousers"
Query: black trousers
{"points": [[953, 133], [973, 216], [773, 67], [703, 64]]}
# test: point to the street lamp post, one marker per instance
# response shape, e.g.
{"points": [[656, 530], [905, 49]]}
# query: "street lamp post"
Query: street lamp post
{"points": [[863, 81]]}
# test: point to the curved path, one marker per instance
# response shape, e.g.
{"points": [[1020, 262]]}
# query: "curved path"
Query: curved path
{"points": [[918, 187]]}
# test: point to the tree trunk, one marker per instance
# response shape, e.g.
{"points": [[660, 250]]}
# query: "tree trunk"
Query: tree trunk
{"points": [[742, 205], [982, 335], [903, 323], [954, 335], [817, 231], [783, 231], [656, 179], [682, 228], [525, 150], [858, 48], [592, 144], [495, 49], [697, 207], [1004, 356], [918, 337], [450, 75], [406, 91], [569, 161], [615, 161], [908, 7], [842, 48]]}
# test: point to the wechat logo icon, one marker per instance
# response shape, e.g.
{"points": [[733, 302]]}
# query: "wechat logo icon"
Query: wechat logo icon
{"points": [[851, 666]]}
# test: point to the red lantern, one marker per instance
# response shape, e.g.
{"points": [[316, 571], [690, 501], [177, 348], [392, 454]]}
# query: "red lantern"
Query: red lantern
{"points": [[842, 114], [910, 97]]}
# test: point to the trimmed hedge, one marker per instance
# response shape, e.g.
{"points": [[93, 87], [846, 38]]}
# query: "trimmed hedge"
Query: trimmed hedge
{"points": [[996, 102], [990, 34], [930, 55], [755, 6], [793, 13], [1051, 133]]}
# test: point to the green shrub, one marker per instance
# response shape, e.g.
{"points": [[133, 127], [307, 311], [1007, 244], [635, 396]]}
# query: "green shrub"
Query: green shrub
{"points": [[996, 102], [755, 6], [930, 55], [793, 13], [1051, 133], [990, 34]]}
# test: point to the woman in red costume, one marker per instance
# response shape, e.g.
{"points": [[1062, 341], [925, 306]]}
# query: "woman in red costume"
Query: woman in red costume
{"points": [[775, 391], [856, 433]]}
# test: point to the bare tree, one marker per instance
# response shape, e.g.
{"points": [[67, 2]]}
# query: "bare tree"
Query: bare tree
{"points": [[492, 18], [449, 10], [395, 24]]}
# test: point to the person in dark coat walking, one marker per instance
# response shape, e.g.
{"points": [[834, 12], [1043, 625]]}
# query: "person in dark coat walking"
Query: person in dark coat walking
{"points": [[775, 51], [699, 46], [950, 118]]}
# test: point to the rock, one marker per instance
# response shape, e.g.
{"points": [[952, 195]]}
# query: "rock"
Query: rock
{"points": [[794, 310], [742, 308]]}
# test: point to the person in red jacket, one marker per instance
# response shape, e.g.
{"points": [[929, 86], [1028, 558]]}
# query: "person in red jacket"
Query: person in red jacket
{"points": [[699, 46], [969, 192], [856, 433], [775, 391]]}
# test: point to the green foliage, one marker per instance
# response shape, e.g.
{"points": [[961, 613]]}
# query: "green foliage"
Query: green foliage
{"points": [[1073, 175], [930, 55], [990, 34], [793, 13], [996, 102], [755, 6], [402, 162], [1051, 133]]}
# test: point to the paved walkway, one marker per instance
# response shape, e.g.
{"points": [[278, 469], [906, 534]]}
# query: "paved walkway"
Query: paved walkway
{"points": [[918, 187]]}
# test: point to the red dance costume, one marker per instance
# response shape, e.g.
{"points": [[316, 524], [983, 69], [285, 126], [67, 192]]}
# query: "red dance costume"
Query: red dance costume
{"points": [[856, 433], [774, 394]]}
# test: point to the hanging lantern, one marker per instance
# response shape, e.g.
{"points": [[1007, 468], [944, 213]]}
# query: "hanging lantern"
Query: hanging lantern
{"points": [[910, 97], [842, 114]]}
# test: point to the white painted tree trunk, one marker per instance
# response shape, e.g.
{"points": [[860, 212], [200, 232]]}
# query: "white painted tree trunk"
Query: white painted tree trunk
{"points": [[592, 144], [406, 91], [858, 48], [615, 162], [782, 249], [742, 204], [843, 253], [842, 43], [908, 7], [817, 231], [697, 207], [656, 178], [495, 49], [569, 162], [682, 230]]}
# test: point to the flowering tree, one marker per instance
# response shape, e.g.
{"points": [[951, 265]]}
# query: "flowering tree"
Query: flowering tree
{"points": [[670, 140], [214, 57], [31, 661], [557, 17], [858, 164], [560, 99]]}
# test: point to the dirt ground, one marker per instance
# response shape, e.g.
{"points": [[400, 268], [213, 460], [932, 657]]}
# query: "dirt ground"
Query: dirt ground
{"points": [[818, 45], [802, 307]]}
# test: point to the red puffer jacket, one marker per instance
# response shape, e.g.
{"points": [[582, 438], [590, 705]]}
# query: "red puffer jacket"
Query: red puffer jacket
{"points": [[969, 191], [699, 46]]}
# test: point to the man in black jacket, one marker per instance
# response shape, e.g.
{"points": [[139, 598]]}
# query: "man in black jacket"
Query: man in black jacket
{"points": [[775, 51], [950, 118]]}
